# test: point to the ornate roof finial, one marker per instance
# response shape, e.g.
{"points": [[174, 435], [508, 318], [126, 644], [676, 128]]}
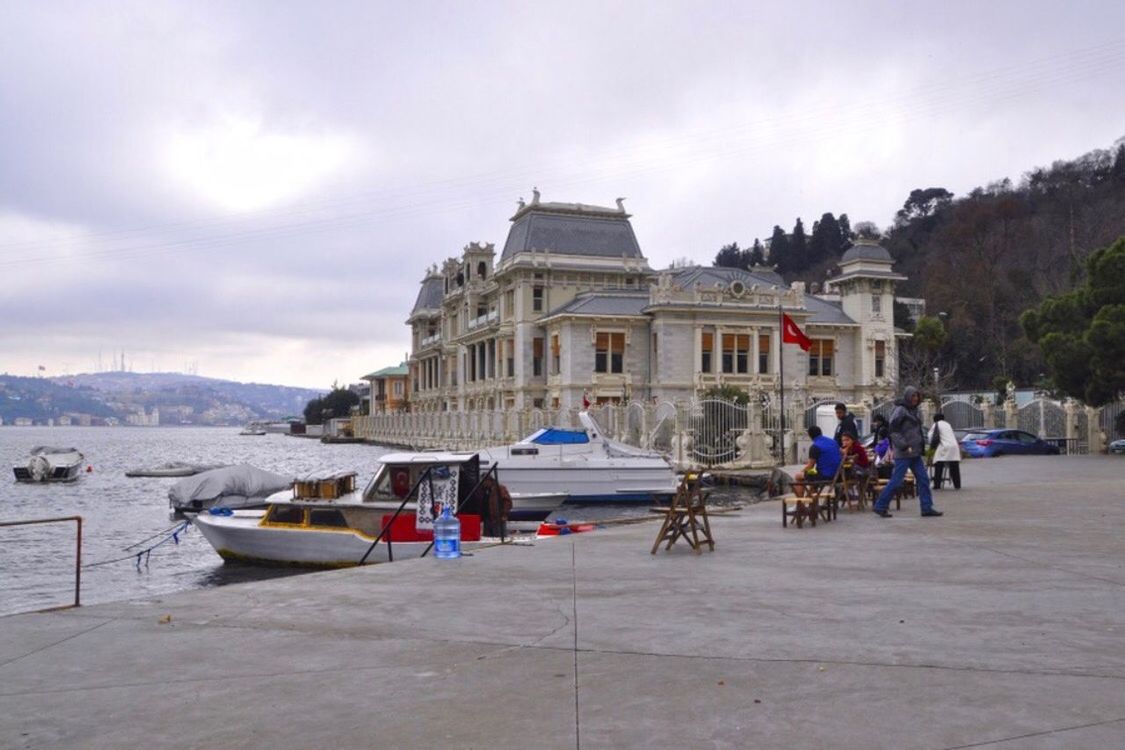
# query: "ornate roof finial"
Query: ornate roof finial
{"points": [[621, 205], [535, 196]]}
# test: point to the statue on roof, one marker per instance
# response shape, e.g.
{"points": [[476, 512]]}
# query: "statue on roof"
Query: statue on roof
{"points": [[535, 196], [621, 205]]}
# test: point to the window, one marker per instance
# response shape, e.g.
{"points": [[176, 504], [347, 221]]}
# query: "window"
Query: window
{"points": [[537, 299], [536, 403], [481, 311], [511, 350], [287, 514], [537, 357], [482, 269], [453, 325], [820, 357], [764, 354], [555, 357], [509, 303], [877, 303], [327, 517], [880, 358], [708, 347], [398, 389], [736, 353], [609, 352]]}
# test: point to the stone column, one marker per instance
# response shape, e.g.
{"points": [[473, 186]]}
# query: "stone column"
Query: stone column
{"points": [[1011, 415], [1094, 431]]}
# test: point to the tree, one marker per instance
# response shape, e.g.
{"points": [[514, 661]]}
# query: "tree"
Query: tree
{"points": [[921, 357], [867, 230], [798, 246], [921, 204], [730, 256], [846, 230], [902, 317], [779, 251], [1082, 333], [757, 254], [336, 403], [827, 239]]}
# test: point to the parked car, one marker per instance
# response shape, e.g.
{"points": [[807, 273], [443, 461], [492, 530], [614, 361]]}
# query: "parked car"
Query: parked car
{"points": [[1117, 446], [988, 443]]}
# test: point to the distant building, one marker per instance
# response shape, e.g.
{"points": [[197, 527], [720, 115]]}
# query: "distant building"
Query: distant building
{"points": [[571, 311], [389, 390], [915, 305], [22, 422], [141, 419]]}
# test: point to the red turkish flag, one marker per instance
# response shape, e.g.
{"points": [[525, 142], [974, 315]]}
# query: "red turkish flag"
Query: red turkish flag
{"points": [[792, 333]]}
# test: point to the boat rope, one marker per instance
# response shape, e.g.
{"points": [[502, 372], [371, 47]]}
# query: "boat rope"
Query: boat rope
{"points": [[171, 535]]}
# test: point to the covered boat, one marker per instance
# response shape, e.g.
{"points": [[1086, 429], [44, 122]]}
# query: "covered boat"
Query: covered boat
{"points": [[172, 469], [239, 486], [49, 464]]}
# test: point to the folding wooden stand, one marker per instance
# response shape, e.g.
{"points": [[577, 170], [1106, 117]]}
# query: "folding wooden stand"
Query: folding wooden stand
{"points": [[686, 517]]}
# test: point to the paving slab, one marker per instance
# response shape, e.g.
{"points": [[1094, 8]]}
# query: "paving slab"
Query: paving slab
{"points": [[999, 625]]}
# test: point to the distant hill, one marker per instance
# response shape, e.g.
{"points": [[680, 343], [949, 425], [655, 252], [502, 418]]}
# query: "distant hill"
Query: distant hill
{"points": [[122, 396]]}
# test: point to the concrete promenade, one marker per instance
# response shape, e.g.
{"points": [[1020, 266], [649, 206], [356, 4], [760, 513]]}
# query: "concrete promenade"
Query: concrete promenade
{"points": [[1001, 625]]}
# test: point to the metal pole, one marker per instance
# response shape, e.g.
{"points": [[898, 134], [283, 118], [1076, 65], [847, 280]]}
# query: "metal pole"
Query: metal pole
{"points": [[781, 384], [78, 563]]}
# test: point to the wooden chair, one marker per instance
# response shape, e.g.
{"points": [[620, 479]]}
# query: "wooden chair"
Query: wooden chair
{"points": [[686, 517], [854, 494], [819, 501]]}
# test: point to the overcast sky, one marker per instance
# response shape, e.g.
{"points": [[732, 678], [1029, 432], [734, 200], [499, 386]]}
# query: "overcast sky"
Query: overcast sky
{"points": [[255, 189]]}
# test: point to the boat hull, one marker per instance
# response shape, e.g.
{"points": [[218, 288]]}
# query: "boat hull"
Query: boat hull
{"points": [[239, 537], [587, 479]]}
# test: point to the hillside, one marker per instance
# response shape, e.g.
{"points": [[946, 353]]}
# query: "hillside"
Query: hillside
{"points": [[98, 398], [982, 258]]}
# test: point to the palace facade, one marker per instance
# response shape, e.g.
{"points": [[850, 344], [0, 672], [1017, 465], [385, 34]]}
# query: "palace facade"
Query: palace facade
{"points": [[571, 309]]}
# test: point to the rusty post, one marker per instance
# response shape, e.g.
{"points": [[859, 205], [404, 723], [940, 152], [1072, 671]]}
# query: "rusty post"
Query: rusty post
{"points": [[78, 550]]}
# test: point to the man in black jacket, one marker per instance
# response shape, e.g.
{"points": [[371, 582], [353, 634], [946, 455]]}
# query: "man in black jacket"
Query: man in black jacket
{"points": [[845, 425], [909, 442]]}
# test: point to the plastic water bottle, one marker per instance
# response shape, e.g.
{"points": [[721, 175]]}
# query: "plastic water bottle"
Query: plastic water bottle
{"points": [[447, 535]]}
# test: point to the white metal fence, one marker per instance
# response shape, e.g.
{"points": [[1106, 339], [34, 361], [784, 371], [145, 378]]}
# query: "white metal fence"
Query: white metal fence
{"points": [[717, 432]]}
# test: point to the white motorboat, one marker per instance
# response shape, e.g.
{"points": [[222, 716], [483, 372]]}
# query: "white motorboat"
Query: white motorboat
{"points": [[241, 486], [172, 469], [48, 464], [579, 462], [253, 430], [323, 524]]}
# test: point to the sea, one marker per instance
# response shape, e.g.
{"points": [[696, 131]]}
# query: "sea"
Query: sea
{"points": [[122, 515]]}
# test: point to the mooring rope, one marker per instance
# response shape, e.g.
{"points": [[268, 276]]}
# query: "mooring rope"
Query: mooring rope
{"points": [[173, 536]]}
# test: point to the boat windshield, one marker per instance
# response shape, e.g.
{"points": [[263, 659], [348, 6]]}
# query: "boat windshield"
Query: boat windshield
{"points": [[557, 436], [393, 482]]}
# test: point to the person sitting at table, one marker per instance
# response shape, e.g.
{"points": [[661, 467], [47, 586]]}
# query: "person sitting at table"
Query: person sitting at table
{"points": [[824, 459], [861, 464]]}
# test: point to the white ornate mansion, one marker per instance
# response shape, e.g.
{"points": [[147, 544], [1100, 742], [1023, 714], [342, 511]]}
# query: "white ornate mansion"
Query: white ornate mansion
{"points": [[571, 308]]}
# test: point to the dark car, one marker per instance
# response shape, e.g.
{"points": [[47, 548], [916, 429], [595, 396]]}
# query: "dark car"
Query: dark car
{"points": [[988, 443]]}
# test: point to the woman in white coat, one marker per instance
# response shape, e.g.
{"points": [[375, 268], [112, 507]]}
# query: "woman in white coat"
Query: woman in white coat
{"points": [[946, 452]]}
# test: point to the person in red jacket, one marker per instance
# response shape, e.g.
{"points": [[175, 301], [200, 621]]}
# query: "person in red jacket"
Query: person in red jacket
{"points": [[861, 464]]}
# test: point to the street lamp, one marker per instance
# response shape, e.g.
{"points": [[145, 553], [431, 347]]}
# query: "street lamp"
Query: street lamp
{"points": [[937, 388]]}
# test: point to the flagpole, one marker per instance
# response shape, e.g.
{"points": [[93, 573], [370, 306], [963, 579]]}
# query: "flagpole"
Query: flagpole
{"points": [[781, 384]]}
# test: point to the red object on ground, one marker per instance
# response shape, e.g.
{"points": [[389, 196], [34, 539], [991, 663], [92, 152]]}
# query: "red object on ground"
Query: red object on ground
{"points": [[89, 469], [403, 529], [559, 529]]}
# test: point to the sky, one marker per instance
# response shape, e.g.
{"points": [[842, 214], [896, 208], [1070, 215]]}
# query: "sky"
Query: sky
{"points": [[254, 190]]}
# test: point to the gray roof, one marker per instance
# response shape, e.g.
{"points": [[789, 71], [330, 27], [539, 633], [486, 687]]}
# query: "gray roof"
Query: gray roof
{"points": [[572, 229], [866, 250], [430, 295], [603, 303], [826, 312], [711, 275]]}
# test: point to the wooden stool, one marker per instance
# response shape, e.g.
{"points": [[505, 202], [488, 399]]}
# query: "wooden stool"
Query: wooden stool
{"points": [[686, 517]]}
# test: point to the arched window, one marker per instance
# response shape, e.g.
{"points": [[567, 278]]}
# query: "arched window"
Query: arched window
{"points": [[482, 269]]}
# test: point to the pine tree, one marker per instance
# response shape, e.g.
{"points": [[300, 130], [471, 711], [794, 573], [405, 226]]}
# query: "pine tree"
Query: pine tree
{"points": [[757, 255], [799, 246], [846, 229], [730, 256], [780, 256]]}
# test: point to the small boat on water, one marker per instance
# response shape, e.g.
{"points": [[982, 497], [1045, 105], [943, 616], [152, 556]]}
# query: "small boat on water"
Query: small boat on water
{"points": [[239, 486], [49, 464], [253, 430], [172, 469], [326, 522]]}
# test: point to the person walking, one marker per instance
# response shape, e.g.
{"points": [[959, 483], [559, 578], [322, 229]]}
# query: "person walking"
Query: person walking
{"points": [[947, 453], [908, 442], [845, 425]]}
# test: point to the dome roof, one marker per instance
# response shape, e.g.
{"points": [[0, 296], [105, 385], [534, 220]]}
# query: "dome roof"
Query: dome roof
{"points": [[866, 250]]}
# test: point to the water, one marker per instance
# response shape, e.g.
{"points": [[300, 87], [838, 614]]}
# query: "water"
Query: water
{"points": [[37, 562]]}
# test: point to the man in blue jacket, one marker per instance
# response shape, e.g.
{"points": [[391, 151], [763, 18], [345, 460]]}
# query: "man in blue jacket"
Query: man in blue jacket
{"points": [[908, 441], [824, 459]]}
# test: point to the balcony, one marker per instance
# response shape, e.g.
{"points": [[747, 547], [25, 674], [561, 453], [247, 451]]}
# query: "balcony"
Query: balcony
{"points": [[429, 341], [483, 320]]}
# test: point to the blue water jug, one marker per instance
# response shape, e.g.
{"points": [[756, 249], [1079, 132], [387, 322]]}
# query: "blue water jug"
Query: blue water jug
{"points": [[447, 535]]}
